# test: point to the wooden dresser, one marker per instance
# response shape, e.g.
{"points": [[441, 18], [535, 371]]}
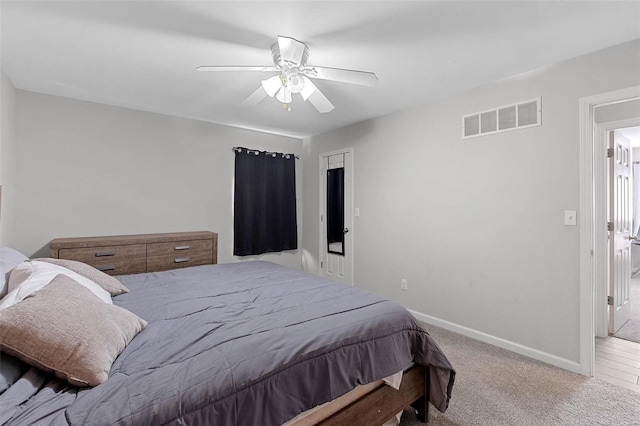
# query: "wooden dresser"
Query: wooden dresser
{"points": [[134, 254]]}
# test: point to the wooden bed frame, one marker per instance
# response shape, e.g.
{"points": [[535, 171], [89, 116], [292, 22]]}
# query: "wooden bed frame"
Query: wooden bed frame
{"points": [[384, 402]]}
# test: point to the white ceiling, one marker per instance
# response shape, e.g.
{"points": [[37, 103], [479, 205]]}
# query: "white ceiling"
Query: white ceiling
{"points": [[143, 55]]}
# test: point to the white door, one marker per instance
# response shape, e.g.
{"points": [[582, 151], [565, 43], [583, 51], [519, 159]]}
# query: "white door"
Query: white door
{"points": [[620, 237], [336, 216]]}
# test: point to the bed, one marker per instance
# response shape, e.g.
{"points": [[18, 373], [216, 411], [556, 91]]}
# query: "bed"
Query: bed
{"points": [[249, 343]]}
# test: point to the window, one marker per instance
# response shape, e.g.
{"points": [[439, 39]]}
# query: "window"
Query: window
{"points": [[264, 202]]}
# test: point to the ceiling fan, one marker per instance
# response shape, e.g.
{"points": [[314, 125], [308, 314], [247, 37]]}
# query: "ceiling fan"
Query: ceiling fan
{"points": [[290, 61]]}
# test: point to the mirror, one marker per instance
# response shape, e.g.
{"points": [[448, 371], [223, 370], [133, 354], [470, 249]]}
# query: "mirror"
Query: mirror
{"points": [[335, 211]]}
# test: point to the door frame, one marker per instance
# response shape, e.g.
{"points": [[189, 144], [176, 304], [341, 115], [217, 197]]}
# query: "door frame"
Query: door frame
{"points": [[347, 208], [601, 131], [593, 207]]}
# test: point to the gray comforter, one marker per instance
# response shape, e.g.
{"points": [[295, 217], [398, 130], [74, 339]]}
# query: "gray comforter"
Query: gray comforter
{"points": [[250, 343]]}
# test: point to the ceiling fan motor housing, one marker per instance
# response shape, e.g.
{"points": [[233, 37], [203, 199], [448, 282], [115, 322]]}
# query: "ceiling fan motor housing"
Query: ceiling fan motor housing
{"points": [[281, 63]]}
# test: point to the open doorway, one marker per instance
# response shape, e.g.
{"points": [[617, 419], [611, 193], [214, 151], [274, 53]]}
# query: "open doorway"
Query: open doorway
{"points": [[617, 128], [616, 131], [624, 321], [593, 226]]}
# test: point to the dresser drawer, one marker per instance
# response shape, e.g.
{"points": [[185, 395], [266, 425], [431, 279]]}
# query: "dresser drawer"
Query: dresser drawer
{"points": [[179, 260], [179, 248], [134, 265], [106, 253]]}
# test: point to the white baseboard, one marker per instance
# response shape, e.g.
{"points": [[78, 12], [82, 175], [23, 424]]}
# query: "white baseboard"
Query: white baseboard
{"points": [[501, 343]]}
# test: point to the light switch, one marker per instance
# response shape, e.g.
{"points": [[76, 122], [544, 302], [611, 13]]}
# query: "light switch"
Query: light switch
{"points": [[570, 217], [356, 212]]}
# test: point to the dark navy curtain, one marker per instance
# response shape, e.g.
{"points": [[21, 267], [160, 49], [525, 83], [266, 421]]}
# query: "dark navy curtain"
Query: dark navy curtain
{"points": [[264, 203]]}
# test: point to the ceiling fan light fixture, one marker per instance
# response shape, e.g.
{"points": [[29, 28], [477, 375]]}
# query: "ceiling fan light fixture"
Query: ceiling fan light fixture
{"points": [[284, 95], [295, 83], [271, 85]]}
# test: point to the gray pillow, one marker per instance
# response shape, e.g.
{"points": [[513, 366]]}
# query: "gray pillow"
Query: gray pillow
{"points": [[67, 330], [107, 282], [9, 259], [11, 369]]}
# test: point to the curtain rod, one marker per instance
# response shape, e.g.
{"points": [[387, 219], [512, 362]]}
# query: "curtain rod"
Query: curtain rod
{"points": [[239, 149]]}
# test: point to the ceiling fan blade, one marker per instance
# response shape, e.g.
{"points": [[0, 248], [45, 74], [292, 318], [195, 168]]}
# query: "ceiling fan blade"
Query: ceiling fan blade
{"points": [[319, 100], [315, 96], [255, 97], [363, 78], [308, 88], [291, 50], [235, 68]]}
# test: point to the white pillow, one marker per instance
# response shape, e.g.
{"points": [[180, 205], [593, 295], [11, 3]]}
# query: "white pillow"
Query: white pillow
{"points": [[30, 277], [9, 259]]}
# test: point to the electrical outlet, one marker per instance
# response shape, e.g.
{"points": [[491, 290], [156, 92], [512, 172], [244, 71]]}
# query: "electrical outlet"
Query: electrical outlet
{"points": [[403, 284]]}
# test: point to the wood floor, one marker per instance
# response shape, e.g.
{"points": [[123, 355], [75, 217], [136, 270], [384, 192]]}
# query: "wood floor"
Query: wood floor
{"points": [[618, 362]]}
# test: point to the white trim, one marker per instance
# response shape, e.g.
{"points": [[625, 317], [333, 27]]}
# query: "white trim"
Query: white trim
{"points": [[501, 343], [592, 257], [620, 124], [322, 259]]}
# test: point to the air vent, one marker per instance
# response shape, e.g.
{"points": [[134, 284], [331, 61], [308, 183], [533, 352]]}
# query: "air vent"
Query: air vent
{"points": [[502, 119]]}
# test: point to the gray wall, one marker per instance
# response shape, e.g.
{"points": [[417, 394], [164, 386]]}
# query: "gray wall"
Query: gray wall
{"points": [[476, 225], [7, 129], [81, 169]]}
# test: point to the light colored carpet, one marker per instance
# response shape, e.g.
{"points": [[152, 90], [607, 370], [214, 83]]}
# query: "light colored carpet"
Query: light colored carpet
{"points": [[631, 330], [497, 387]]}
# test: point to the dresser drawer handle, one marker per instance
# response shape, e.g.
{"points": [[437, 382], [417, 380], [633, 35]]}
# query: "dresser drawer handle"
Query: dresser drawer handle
{"points": [[181, 260], [105, 253], [182, 247], [106, 268]]}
